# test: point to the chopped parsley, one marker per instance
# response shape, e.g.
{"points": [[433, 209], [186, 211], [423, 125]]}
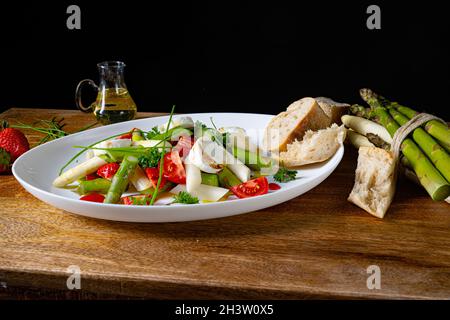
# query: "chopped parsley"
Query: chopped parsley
{"points": [[152, 133], [185, 198], [285, 175], [151, 159]]}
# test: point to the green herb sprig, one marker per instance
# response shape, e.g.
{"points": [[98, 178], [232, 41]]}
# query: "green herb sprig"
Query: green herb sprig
{"points": [[150, 159], [52, 129], [161, 161], [185, 198], [149, 135], [284, 175]]}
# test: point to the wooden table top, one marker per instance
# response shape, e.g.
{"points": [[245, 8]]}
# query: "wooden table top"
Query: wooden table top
{"points": [[315, 246]]}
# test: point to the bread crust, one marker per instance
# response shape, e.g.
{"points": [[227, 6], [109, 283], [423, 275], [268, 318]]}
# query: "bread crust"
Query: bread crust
{"points": [[334, 110], [313, 119]]}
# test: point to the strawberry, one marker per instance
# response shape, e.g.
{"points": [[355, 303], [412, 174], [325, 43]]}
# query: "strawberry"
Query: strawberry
{"points": [[13, 144], [108, 170], [92, 176]]}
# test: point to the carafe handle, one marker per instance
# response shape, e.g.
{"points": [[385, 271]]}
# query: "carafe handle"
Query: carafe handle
{"points": [[78, 94]]}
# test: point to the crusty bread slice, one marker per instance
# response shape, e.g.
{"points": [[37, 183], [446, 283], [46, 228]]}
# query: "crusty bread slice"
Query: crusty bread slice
{"points": [[334, 110], [316, 146], [374, 181], [302, 115]]}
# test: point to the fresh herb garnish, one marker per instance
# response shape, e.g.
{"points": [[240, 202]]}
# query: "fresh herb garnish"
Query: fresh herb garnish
{"points": [[285, 175], [52, 129], [161, 161], [87, 148], [140, 201], [185, 198], [151, 159], [152, 133]]}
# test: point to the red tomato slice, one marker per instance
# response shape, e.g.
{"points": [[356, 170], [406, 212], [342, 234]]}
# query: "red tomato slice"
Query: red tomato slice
{"points": [[173, 169], [251, 188], [184, 145], [93, 197], [274, 186], [153, 175]]}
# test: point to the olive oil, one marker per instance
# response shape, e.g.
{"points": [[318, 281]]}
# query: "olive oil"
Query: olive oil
{"points": [[114, 105], [114, 102]]}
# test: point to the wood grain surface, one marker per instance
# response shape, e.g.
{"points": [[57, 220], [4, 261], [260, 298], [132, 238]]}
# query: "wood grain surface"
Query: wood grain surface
{"points": [[315, 246]]}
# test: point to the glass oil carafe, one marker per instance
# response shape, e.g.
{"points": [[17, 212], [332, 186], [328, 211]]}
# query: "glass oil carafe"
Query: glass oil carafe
{"points": [[114, 103]]}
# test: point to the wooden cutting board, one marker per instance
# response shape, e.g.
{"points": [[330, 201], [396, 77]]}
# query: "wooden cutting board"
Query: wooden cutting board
{"points": [[315, 246]]}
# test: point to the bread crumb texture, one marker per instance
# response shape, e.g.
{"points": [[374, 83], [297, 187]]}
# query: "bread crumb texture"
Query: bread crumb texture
{"points": [[374, 186]]}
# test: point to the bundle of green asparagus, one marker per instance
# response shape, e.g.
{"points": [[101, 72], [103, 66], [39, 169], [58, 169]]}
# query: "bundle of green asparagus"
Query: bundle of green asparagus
{"points": [[425, 152]]}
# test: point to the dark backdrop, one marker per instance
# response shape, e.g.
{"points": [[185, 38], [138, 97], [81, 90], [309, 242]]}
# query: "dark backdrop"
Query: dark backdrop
{"points": [[226, 56]]}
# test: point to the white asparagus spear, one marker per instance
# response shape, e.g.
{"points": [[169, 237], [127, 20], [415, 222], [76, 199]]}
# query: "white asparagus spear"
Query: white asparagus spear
{"points": [[358, 140], [364, 126], [184, 122], [81, 170], [193, 174], [201, 159], [139, 180], [222, 156]]}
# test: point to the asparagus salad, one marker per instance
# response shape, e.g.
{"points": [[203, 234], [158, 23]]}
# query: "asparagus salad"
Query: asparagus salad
{"points": [[180, 162]]}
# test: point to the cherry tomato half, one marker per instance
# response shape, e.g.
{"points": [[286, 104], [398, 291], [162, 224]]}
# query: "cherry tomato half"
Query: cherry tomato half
{"points": [[153, 175], [93, 197], [173, 169], [251, 188]]}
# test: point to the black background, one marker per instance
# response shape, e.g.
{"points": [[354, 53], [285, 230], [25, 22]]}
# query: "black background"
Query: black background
{"points": [[227, 56]]}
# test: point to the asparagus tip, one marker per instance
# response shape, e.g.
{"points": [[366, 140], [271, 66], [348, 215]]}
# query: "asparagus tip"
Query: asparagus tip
{"points": [[366, 93]]}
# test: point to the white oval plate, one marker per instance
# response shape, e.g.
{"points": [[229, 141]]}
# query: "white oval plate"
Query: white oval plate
{"points": [[36, 169]]}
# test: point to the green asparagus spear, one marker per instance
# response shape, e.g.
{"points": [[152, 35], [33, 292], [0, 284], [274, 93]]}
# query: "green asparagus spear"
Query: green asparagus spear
{"points": [[430, 178], [210, 179], [97, 185], [432, 149], [253, 160], [435, 128], [120, 179], [227, 179], [361, 111]]}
